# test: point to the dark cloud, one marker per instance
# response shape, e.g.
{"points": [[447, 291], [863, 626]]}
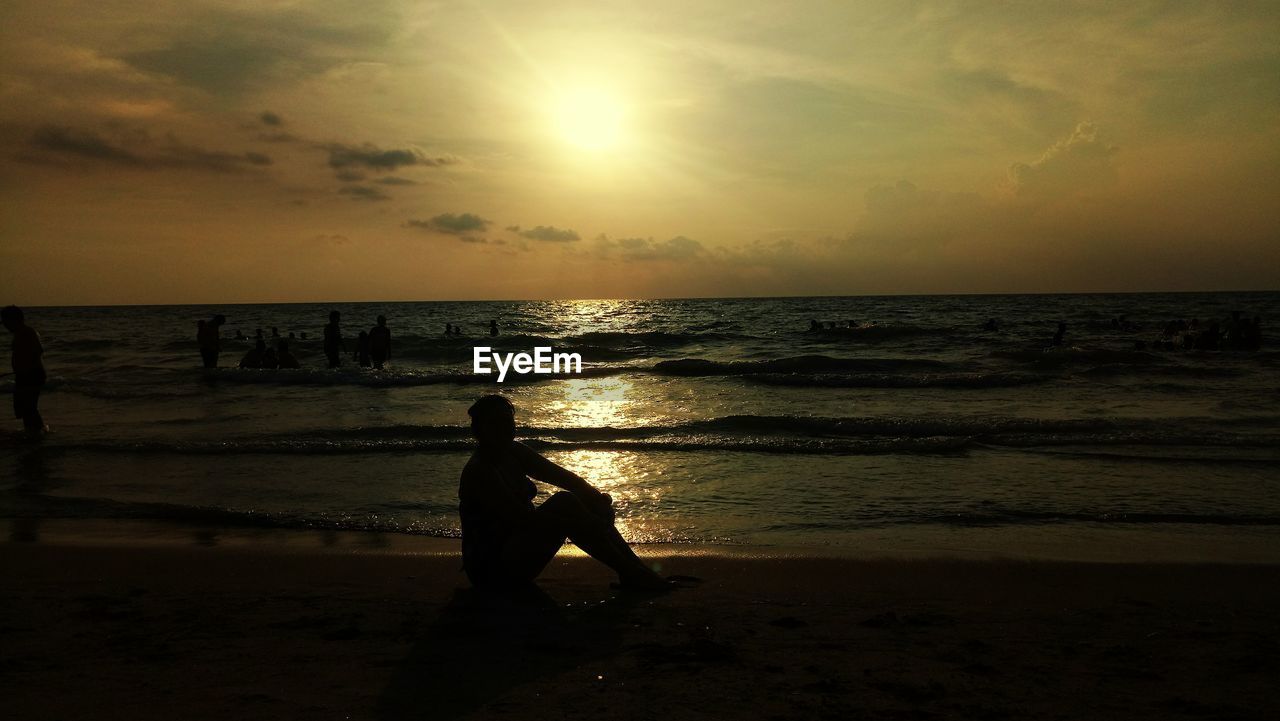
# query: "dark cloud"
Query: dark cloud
{"points": [[393, 180], [349, 176], [363, 192], [463, 224], [229, 53], [371, 157], [677, 248], [270, 118], [547, 233], [135, 149], [82, 143]]}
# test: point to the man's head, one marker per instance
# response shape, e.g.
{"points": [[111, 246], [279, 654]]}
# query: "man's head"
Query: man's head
{"points": [[493, 420], [12, 317], [334, 316]]}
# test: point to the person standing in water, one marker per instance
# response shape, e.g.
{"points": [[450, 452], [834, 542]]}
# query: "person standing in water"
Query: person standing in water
{"points": [[493, 327], [506, 540], [28, 370], [333, 345], [284, 357], [380, 342], [208, 337], [361, 355]]}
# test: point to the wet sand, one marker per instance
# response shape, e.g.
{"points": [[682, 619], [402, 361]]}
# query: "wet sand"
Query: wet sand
{"points": [[143, 631]]}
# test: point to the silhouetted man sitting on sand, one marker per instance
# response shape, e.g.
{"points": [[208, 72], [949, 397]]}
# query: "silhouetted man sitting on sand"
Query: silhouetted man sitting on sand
{"points": [[506, 540]]}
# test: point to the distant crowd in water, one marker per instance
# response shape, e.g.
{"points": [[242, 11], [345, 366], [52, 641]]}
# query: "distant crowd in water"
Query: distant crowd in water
{"points": [[372, 347], [1237, 333]]}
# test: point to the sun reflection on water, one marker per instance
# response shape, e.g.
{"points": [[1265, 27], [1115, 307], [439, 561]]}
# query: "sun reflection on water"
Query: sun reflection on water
{"points": [[599, 402]]}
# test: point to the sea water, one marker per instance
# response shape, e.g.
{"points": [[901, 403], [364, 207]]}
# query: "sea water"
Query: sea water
{"points": [[909, 427]]}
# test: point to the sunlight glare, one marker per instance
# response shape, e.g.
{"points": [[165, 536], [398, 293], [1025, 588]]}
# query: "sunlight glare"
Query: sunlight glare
{"points": [[589, 119]]}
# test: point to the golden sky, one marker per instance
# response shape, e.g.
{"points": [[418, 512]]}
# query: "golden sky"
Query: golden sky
{"points": [[203, 152]]}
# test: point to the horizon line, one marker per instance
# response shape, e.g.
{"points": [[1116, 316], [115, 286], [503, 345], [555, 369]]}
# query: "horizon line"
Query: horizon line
{"points": [[655, 298]]}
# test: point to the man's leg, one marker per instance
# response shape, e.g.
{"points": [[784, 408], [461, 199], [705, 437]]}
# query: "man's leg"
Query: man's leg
{"points": [[531, 548], [26, 400]]}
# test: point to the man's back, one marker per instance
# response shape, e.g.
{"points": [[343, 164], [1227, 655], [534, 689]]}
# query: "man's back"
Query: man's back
{"points": [[379, 339], [27, 350]]}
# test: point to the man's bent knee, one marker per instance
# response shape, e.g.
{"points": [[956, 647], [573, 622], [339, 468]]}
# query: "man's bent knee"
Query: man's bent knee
{"points": [[566, 506]]}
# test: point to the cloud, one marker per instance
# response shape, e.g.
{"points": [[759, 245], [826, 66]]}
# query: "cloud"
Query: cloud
{"points": [[546, 233], [1080, 160], [677, 248], [270, 118], [84, 144], [461, 224], [349, 176], [233, 52], [363, 192], [278, 137], [393, 180], [371, 157], [136, 149]]}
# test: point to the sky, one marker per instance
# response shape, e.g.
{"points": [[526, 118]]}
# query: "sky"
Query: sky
{"points": [[238, 151]]}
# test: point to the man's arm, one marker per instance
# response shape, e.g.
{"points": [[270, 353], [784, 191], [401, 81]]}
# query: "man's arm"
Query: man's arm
{"points": [[539, 468], [480, 489]]}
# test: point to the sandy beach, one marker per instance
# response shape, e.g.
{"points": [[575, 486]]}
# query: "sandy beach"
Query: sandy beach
{"points": [[247, 631]]}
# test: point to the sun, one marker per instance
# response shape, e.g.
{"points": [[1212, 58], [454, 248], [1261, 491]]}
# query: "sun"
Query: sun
{"points": [[590, 119]]}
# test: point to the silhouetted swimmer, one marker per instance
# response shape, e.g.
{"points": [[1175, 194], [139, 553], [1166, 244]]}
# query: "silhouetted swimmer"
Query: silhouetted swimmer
{"points": [[814, 325], [257, 334], [991, 326], [380, 342], [361, 355], [253, 358], [333, 344], [448, 329], [506, 540], [239, 334], [284, 358], [275, 332], [292, 335], [29, 377], [493, 327], [209, 338], [1210, 339], [457, 329], [1057, 337], [303, 335]]}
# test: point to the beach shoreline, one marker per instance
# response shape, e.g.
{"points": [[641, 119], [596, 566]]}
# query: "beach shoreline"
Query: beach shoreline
{"points": [[300, 630], [1106, 545]]}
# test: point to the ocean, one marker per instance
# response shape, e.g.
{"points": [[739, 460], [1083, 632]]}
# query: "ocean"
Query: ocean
{"points": [[907, 429]]}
